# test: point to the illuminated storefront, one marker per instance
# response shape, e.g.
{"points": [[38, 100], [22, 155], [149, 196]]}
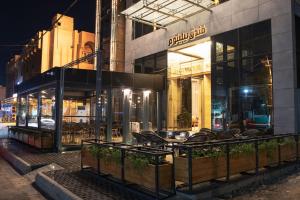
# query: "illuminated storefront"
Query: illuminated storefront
{"points": [[226, 63]]}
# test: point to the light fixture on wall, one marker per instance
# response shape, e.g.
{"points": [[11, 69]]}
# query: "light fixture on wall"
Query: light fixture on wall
{"points": [[147, 92]]}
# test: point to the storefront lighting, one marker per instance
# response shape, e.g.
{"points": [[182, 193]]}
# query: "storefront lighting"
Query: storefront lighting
{"points": [[15, 95], [126, 91], [246, 91], [147, 92]]}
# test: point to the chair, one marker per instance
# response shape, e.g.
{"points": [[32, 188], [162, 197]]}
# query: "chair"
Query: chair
{"points": [[139, 138], [197, 137], [229, 134], [154, 139]]}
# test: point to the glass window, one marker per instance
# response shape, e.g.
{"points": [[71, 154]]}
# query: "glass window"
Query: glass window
{"points": [[140, 29], [156, 63], [48, 109], [22, 111], [33, 110], [242, 81]]}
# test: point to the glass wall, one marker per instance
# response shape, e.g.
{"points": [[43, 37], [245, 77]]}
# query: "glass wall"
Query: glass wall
{"points": [[33, 110], [48, 109], [22, 111], [242, 77], [78, 123]]}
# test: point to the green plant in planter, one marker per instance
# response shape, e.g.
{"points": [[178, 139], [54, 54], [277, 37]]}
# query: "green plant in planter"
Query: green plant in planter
{"points": [[288, 141], [269, 147], [205, 152], [239, 149], [109, 153], [95, 151], [141, 161]]}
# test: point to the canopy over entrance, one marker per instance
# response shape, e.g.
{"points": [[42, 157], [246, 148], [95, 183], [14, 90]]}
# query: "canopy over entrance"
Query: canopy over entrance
{"points": [[161, 13]]}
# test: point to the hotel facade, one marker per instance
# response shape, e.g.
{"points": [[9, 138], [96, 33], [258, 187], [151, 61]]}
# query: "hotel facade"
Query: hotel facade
{"points": [[227, 63]]}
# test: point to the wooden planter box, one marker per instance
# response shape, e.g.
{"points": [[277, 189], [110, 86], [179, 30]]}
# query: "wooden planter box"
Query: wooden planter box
{"points": [[31, 139], [243, 162], [44, 142], [272, 157], [146, 176], [88, 159], [110, 167], [20, 136], [25, 138], [203, 169], [287, 152], [208, 168]]}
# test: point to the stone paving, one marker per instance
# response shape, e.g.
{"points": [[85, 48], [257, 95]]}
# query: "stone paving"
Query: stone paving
{"points": [[286, 189], [13, 186]]}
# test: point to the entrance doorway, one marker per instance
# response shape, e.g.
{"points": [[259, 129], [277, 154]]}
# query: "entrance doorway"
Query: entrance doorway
{"points": [[189, 87]]}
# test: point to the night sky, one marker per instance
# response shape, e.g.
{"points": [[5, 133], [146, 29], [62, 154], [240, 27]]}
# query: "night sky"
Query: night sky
{"points": [[21, 19]]}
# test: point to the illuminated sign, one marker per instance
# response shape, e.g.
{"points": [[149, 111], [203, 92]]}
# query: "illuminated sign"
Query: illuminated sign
{"points": [[182, 38]]}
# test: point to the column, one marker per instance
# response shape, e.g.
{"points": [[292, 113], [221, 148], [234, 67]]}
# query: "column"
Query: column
{"points": [[127, 97], [146, 110], [109, 116]]}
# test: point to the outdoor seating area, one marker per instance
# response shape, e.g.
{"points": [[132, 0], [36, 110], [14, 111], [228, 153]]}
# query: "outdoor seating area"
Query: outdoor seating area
{"points": [[193, 160]]}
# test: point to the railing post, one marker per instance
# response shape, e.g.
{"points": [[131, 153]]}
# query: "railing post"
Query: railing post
{"points": [[122, 165], [156, 177], [279, 151], [227, 162], [256, 157], [81, 165], [190, 168], [297, 148], [173, 174]]}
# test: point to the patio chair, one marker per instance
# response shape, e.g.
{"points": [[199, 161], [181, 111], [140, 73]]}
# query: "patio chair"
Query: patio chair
{"points": [[139, 138], [212, 134], [154, 139], [197, 137], [229, 134]]}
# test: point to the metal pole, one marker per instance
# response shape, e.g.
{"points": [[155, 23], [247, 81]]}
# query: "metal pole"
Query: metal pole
{"points": [[59, 109], [98, 68]]}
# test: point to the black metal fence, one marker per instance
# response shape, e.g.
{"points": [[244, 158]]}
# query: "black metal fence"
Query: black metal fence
{"points": [[232, 156], [149, 170]]}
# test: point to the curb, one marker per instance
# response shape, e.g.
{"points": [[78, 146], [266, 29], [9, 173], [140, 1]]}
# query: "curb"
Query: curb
{"points": [[19, 164], [53, 189]]}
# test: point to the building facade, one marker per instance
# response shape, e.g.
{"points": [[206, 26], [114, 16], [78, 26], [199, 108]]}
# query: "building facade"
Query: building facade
{"points": [[48, 49], [231, 63]]}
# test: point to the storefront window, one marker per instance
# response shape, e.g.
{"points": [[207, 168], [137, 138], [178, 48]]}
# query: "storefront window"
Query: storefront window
{"points": [[22, 110], [77, 120], [48, 109], [242, 81], [33, 110]]}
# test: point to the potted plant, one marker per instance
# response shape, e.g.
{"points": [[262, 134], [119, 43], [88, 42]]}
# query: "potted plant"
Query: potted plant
{"points": [[140, 170]]}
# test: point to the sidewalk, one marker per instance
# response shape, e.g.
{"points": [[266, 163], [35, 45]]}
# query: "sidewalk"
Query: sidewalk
{"points": [[14, 186]]}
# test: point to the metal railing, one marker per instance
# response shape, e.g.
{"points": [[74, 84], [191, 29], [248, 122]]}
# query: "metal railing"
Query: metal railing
{"points": [[130, 165], [226, 149]]}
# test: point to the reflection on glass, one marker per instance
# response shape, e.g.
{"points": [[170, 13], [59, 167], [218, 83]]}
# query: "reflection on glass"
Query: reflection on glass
{"points": [[33, 110], [48, 109], [242, 80]]}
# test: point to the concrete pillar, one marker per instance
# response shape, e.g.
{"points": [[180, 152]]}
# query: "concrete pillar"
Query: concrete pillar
{"points": [[127, 97]]}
